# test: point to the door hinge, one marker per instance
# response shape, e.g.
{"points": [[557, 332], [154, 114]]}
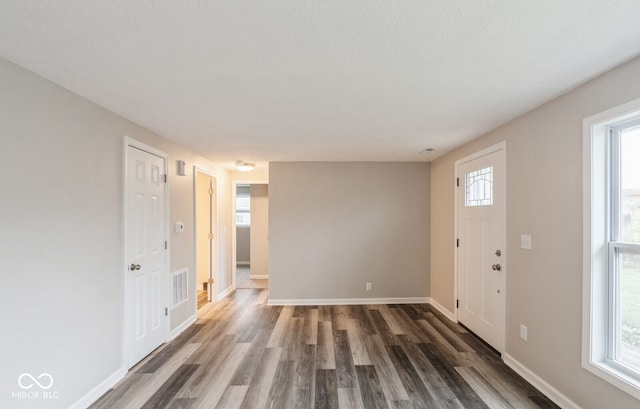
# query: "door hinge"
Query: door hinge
{"points": [[457, 303], [457, 242], [166, 311], [457, 181], [164, 178], [166, 244], [210, 236], [210, 191]]}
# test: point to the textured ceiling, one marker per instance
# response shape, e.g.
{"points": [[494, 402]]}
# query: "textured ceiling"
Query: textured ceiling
{"points": [[303, 80]]}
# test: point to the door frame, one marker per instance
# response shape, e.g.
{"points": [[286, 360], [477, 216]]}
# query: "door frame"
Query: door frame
{"points": [[126, 143], [234, 188], [213, 294], [500, 146]]}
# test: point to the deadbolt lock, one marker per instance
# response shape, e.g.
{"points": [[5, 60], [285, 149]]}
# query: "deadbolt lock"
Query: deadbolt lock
{"points": [[498, 253]]}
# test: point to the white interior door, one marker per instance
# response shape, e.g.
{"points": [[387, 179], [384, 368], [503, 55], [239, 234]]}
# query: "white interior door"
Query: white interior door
{"points": [[146, 278], [481, 244]]}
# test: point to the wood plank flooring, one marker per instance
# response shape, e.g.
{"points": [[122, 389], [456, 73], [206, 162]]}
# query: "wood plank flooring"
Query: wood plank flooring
{"points": [[243, 354], [244, 280], [203, 298]]}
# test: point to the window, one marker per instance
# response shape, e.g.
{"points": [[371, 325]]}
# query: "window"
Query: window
{"points": [[479, 187], [243, 206], [624, 246], [611, 320]]}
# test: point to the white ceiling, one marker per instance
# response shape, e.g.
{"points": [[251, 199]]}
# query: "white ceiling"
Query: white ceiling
{"points": [[284, 80]]}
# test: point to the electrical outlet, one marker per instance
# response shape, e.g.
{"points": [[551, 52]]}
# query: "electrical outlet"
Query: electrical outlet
{"points": [[369, 286], [523, 332]]}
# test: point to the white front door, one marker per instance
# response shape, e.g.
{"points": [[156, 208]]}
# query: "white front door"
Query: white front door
{"points": [[481, 244], [146, 320]]}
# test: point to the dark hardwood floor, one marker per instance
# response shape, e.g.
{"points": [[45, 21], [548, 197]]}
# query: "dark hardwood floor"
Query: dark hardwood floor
{"points": [[244, 354]]}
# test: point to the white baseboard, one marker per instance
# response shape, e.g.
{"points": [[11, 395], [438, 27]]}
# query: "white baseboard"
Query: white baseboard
{"points": [[349, 301], [224, 293], [259, 277], [185, 324], [443, 310], [100, 389], [552, 393]]}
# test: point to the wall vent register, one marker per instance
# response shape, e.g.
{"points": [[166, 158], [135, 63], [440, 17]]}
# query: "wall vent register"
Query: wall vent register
{"points": [[179, 287]]}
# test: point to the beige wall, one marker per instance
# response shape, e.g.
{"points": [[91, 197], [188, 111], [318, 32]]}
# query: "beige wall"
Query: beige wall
{"points": [[61, 256], [259, 236], [544, 199], [258, 175], [335, 226]]}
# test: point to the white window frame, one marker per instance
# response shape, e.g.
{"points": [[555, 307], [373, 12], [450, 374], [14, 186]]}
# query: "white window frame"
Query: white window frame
{"points": [[596, 321]]}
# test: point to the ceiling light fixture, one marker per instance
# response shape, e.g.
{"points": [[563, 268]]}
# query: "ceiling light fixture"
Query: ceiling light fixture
{"points": [[243, 166]]}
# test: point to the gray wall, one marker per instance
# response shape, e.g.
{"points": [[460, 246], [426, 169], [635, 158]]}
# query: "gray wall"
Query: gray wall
{"points": [[335, 226], [259, 230], [544, 199], [61, 181], [243, 248]]}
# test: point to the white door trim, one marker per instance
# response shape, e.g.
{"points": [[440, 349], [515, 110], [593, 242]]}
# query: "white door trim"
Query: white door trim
{"points": [[234, 188], [213, 293], [126, 143], [483, 152]]}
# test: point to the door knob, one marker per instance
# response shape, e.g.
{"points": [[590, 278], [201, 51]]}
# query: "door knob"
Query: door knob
{"points": [[496, 267], [133, 267]]}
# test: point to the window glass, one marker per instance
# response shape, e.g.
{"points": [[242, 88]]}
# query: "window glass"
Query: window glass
{"points": [[630, 185], [629, 345], [624, 266], [479, 187]]}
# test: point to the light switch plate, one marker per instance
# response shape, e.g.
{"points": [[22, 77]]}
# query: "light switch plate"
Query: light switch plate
{"points": [[525, 241]]}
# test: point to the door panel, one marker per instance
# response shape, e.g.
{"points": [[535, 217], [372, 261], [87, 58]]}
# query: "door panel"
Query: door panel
{"points": [[481, 233], [140, 295], [473, 256], [146, 266], [156, 305]]}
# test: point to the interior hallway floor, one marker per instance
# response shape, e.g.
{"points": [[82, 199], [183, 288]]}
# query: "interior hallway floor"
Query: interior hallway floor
{"points": [[242, 353], [243, 280]]}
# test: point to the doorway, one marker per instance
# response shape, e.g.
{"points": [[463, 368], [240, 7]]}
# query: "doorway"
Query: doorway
{"points": [[251, 233], [205, 221], [145, 251], [480, 243]]}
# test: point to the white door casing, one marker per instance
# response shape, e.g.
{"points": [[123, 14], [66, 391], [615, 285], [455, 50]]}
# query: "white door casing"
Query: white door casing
{"points": [[146, 260], [481, 253], [234, 228], [205, 238]]}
